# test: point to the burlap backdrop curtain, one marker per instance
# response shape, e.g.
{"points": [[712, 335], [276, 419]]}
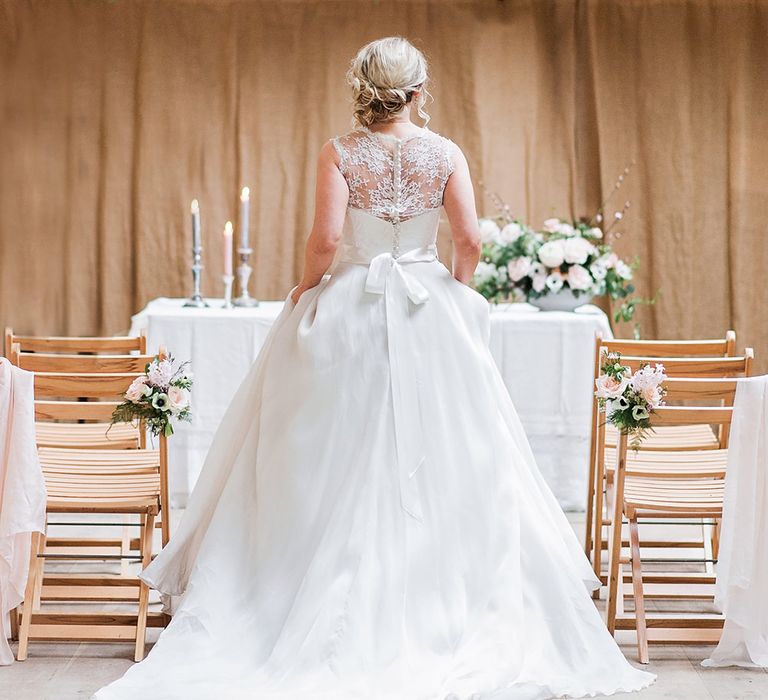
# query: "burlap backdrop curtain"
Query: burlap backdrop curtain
{"points": [[115, 114]]}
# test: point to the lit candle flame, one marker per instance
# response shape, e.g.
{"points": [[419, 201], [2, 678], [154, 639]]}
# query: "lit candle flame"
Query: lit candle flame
{"points": [[245, 194], [195, 207], [228, 228]]}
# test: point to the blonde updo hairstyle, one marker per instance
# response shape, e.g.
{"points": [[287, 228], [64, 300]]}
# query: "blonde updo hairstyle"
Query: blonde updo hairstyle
{"points": [[384, 76]]}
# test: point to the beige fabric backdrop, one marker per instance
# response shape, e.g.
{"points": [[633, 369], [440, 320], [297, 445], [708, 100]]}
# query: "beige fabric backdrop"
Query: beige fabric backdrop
{"points": [[116, 113]]}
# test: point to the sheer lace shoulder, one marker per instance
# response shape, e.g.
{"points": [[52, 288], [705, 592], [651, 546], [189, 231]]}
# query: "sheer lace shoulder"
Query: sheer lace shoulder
{"points": [[394, 179]]}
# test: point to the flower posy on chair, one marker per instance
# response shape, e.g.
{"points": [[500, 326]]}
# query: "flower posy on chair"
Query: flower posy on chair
{"points": [[629, 399], [158, 396]]}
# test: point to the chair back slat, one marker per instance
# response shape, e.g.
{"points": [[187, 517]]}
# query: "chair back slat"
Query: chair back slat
{"points": [[98, 386], [82, 364], [695, 366], [706, 389], [718, 347], [692, 415], [75, 410], [115, 345]]}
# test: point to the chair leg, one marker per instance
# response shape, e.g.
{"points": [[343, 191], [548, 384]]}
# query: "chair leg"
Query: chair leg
{"points": [[146, 558], [716, 539], [614, 568], [29, 598], [591, 487], [707, 545], [125, 546], [597, 534], [40, 570], [637, 589], [590, 512], [15, 625]]}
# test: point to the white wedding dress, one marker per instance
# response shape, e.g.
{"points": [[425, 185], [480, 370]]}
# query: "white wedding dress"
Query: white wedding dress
{"points": [[370, 523]]}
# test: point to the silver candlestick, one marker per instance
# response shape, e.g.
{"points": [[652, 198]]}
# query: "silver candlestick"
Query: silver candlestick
{"points": [[243, 275], [227, 279], [196, 300]]}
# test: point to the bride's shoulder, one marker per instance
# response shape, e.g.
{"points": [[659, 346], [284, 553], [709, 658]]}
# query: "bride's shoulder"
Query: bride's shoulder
{"points": [[349, 137], [436, 135]]}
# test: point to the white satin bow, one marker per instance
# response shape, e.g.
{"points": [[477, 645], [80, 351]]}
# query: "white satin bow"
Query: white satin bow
{"points": [[385, 264], [387, 275]]}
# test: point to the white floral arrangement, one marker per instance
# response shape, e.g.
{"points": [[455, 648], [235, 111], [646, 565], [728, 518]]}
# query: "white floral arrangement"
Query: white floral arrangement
{"points": [[627, 399], [158, 396], [520, 263]]}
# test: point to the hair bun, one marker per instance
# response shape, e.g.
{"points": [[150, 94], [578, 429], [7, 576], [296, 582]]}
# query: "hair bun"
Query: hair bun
{"points": [[384, 75]]}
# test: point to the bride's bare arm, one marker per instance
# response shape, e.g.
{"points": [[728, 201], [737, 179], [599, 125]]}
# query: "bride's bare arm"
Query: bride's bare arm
{"points": [[331, 195], [459, 203]]}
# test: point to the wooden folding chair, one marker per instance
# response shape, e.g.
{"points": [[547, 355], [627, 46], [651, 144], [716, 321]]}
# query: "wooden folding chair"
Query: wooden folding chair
{"points": [[88, 434], [604, 464], [91, 480], [667, 495], [84, 435], [667, 438]]}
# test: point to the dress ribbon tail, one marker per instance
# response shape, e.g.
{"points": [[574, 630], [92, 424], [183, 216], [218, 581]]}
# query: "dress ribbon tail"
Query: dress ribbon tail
{"points": [[390, 277]]}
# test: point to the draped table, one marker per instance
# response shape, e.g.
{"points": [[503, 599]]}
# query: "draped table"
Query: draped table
{"points": [[545, 358]]}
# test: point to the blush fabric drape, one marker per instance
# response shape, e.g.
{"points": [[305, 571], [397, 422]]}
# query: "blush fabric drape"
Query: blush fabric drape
{"points": [[22, 492], [116, 113]]}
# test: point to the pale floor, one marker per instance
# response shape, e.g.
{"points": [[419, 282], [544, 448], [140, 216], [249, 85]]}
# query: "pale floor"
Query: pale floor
{"points": [[69, 671]]}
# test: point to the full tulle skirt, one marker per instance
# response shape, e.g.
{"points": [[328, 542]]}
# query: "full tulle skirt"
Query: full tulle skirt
{"points": [[370, 524]]}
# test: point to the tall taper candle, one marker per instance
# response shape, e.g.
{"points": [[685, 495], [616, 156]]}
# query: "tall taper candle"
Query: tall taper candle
{"points": [[195, 209], [245, 197], [228, 249]]}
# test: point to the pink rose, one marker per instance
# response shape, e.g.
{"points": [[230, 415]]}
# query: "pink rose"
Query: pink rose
{"points": [[579, 278], [517, 268], [611, 260], [136, 390], [178, 399], [609, 387], [651, 395], [539, 282]]}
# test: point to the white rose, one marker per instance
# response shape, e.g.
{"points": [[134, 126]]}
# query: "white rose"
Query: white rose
{"points": [[566, 229], [598, 270], [539, 282], [595, 232], [518, 268], [178, 399], [579, 278], [550, 225], [485, 271], [552, 254], [555, 281], [623, 270], [577, 250], [489, 230], [510, 233]]}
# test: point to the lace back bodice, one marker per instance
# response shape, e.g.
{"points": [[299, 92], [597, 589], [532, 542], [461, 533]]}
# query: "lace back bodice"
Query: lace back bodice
{"points": [[394, 179]]}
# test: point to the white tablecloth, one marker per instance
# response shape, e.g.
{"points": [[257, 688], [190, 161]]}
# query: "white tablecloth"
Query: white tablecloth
{"points": [[545, 359]]}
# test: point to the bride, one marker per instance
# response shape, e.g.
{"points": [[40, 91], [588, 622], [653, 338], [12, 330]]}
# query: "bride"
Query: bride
{"points": [[370, 523]]}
